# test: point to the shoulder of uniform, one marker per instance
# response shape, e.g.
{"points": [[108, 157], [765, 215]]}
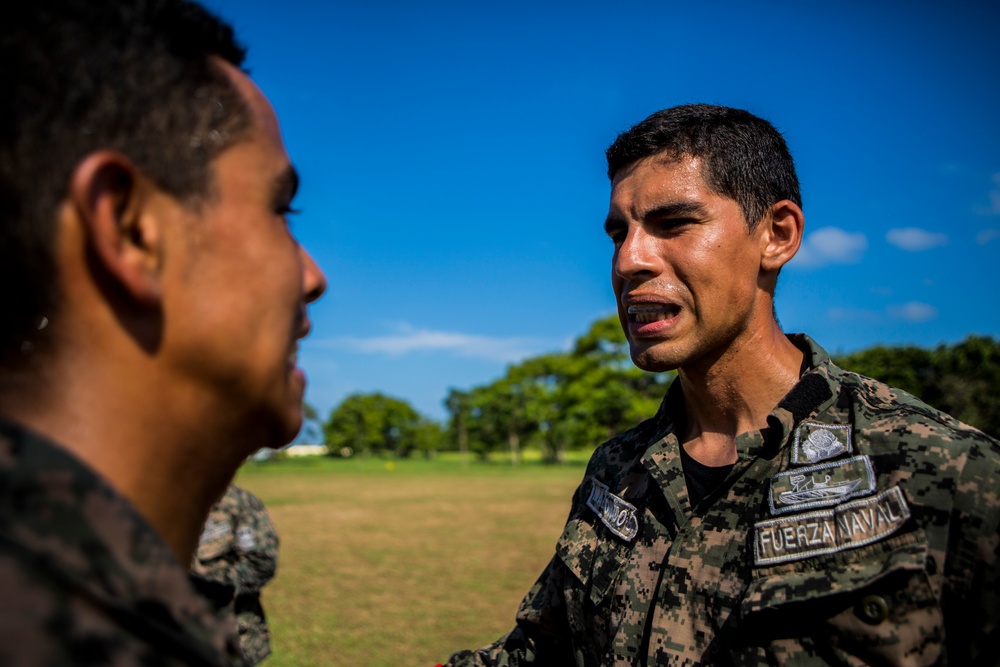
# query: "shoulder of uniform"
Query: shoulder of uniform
{"points": [[626, 446], [878, 407], [633, 439], [242, 498]]}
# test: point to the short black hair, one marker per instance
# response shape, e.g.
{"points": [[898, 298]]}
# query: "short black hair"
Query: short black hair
{"points": [[134, 76], [744, 157]]}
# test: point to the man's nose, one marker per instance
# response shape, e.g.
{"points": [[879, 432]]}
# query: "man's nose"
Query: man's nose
{"points": [[636, 255], [314, 281]]}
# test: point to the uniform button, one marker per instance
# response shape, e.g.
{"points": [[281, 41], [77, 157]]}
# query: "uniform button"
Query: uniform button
{"points": [[874, 609]]}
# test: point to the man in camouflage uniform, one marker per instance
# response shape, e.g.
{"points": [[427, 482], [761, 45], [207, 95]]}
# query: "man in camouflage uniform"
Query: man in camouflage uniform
{"points": [[152, 299], [237, 554], [777, 510]]}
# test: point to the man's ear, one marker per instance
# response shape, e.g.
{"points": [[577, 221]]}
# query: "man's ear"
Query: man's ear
{"points": [[111, 197], [782, 235]]}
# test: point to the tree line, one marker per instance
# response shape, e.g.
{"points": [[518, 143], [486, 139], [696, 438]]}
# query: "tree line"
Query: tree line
{"points": [[961, 379], [573, 400]]}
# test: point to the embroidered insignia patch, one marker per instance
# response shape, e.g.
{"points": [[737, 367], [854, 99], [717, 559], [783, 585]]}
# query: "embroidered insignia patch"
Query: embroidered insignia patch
{"points": [[618, 515], [245, 541], [214, 530], [821, 486], [846, 526], [817, 442]]}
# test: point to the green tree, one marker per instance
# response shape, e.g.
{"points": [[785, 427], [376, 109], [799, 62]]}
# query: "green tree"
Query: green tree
{"points": [[459, 406], [907, 367], [379, 424], [428, 437], [965, 382], [962, 379], [559, 401], [578, 399], [603, 393], [499, 418]]}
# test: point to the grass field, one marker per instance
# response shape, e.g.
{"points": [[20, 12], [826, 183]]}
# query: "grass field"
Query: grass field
{"points": [[403, 562]]}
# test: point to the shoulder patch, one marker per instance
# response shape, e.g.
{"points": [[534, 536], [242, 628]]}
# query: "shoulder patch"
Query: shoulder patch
{"points": [[619, 516], [846, 526], [245, 540], [816, 442], [822, 485]]}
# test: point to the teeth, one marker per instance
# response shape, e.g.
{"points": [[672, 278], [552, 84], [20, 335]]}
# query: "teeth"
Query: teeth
{"points": [[644, 318], [651, 313]]}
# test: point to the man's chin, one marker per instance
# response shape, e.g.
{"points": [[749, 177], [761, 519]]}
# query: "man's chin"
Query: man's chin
{"points": [[653, 359], [289, 430], [280, 427]]}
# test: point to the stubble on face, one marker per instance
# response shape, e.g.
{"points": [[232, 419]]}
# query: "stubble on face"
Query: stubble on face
{"points": [[685, 264]]}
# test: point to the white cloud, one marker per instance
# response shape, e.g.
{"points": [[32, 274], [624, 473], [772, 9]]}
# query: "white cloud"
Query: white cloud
{"points": [[913, 311], [831, 245], [409, 340], [987, 235], [915, 239]]}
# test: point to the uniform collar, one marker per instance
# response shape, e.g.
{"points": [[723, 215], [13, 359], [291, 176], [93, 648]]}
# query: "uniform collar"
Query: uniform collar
{"points": [[814, 393]]}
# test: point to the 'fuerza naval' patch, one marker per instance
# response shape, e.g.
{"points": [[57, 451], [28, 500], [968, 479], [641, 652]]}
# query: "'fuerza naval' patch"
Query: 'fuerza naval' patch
{"points": [[846, 526], [822, 485], [618, 515], [815, 442]]}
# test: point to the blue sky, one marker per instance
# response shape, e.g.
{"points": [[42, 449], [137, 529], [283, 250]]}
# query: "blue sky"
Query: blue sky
{"points": [[453, 175]]}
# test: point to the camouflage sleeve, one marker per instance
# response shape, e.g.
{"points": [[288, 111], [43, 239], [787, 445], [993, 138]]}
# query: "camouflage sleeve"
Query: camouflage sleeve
{"points": [[255, 546], [972, 589], [541, 635]]}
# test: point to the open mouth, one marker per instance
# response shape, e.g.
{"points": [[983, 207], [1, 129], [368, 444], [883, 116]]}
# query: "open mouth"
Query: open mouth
{"points": [[652, 312]]}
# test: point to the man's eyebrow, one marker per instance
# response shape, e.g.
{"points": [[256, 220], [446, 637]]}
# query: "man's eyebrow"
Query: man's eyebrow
{"points": [[613, 223], [678, 209], [675, 209]]}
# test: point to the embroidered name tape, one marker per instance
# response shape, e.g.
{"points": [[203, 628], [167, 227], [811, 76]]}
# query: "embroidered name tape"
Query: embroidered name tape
{"points": [[816, 442], [822, 485], [618, 515], [847, 526]]}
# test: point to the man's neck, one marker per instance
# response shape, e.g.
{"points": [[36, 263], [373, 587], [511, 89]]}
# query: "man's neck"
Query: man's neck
{"points": [[131, 435], [734, 393]]}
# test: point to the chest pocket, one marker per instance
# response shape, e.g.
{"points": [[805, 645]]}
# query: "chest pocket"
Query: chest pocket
{"points": [[875, 603], [593, 556]]}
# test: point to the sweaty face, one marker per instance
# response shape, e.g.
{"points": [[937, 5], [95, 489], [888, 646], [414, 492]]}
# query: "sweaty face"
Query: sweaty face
{"points": [[236, 306], [685, 267]]}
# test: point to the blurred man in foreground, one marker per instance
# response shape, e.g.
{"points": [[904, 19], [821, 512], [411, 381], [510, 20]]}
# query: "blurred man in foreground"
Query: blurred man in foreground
{"points": [[152, 299], [777, 509]]}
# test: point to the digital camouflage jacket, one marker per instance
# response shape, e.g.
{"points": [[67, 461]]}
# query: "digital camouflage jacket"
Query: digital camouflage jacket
{"points": [[239, 550], [861, 527], [84, 579]]}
